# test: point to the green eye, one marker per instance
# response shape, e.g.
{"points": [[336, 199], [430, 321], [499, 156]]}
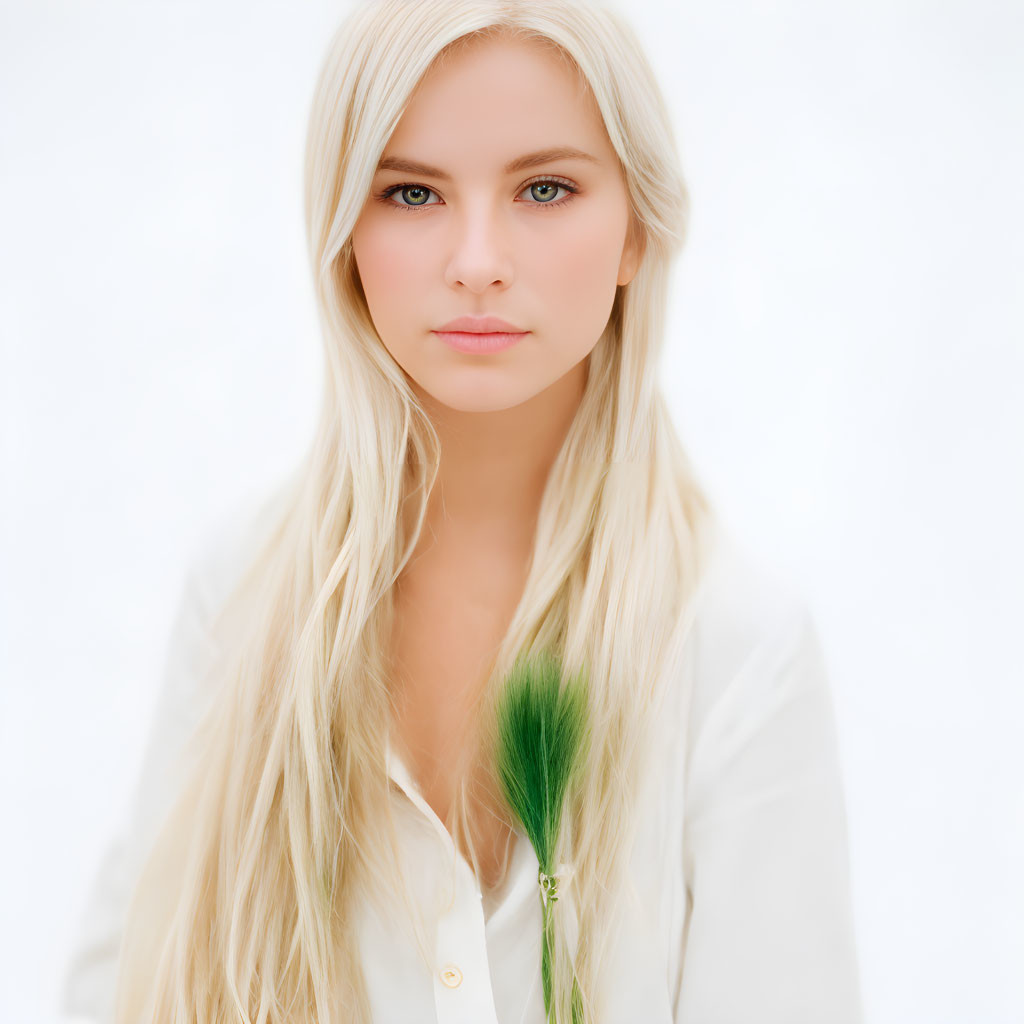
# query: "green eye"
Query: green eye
{"points": [[416, 196], [408, 194]]}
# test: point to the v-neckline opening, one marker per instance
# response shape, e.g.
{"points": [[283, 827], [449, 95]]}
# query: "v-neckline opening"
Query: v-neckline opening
{"points": [[493, 901]]}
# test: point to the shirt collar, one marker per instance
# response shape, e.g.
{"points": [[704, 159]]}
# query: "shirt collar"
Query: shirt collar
{"points": [[397, 770]]}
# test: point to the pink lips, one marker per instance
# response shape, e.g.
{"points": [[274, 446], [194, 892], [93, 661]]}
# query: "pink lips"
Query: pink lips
{"points": [[481, 325], [480, 334]]}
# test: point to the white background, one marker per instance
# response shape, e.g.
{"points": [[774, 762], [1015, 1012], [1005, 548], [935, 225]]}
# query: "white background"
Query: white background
{"points": [[844, 362]]}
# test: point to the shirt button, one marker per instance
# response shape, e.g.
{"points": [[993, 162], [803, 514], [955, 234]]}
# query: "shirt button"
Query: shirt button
{"points": [[451, 975]]}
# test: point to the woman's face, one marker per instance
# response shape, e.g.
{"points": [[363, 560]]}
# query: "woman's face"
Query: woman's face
{"points": [[475, 231]]}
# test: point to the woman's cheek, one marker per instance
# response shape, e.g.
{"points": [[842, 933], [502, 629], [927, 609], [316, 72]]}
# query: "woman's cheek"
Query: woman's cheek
{"points": [[388, 270], [589, 250], [395, 252], [590, 268]]}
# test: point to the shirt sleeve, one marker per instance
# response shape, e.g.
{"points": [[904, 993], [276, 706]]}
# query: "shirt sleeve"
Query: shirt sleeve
{"points": [[186, 691], [90, 974], [769, 935]]}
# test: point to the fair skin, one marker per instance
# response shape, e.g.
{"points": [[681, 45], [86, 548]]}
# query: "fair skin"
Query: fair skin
{"points": [[475, 239]]}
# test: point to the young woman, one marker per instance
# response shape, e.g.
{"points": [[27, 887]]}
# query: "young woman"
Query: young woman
{"points": [[493, 206]]}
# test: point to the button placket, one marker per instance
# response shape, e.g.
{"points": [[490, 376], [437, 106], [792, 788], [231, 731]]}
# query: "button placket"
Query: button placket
{"points": [[463, 992], [462, 977]]}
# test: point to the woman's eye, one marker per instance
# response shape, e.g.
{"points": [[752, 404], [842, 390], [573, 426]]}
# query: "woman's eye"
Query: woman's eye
{"points": [[543, 192], [415, 194]]}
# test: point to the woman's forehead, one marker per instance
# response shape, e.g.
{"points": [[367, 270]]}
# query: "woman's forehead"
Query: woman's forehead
{"points": [[508, 98]]}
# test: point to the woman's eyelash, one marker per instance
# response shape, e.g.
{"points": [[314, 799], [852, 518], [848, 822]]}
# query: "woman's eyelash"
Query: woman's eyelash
{"points": [[385, 195]]}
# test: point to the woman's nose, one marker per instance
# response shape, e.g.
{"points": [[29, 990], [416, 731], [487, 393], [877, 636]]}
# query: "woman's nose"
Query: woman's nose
{"points": [[480, 249]]}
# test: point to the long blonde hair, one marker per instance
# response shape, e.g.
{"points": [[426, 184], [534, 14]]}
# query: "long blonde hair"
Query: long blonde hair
{"points": [[245, 909]]}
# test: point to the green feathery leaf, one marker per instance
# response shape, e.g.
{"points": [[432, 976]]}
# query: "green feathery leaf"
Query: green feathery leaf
{"points": [[543, 735]]}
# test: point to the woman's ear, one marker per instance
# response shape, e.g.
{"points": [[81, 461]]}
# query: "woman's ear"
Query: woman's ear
{"points": [[632, 251]]}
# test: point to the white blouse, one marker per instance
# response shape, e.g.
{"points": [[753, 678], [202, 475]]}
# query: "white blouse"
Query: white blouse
{"points": [[740, 911]]}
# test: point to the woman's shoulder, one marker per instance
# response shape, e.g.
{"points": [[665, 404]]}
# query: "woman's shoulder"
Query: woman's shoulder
{"points": [[229, 542], [215, 565], [744, 595], [750, 616]]}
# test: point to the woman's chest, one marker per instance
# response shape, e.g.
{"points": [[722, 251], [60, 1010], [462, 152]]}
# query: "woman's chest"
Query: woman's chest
{"points": [[445, 634], [487, 967]]}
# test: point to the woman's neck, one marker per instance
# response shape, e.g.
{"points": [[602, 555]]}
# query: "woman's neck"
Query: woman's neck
{"points": [[495, 465]]}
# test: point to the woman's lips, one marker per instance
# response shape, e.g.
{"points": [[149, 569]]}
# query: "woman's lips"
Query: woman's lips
{"points": [[491, 341], [480, 323]]}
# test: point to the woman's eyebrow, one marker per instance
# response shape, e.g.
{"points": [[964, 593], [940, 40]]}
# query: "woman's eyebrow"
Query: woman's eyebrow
{"points": [[542, 156]]}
